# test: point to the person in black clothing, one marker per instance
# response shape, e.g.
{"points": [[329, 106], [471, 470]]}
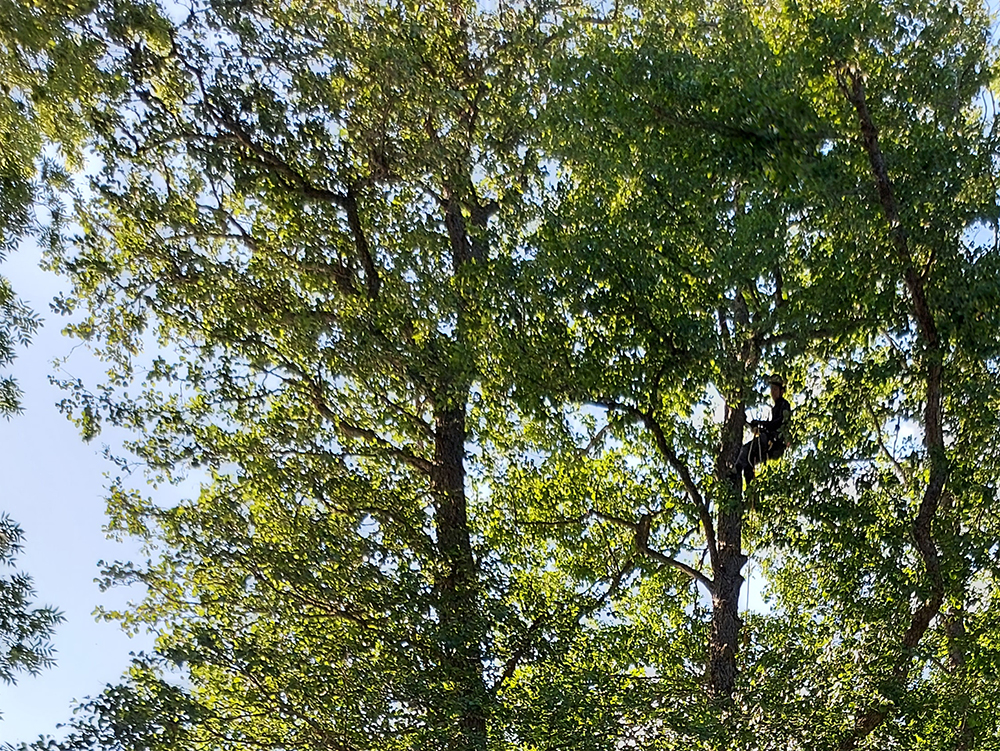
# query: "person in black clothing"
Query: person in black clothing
{"points": [[771, 435]]}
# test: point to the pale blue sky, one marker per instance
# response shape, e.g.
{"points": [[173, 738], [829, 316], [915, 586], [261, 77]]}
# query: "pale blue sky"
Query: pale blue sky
{"points": [[52, 485]]}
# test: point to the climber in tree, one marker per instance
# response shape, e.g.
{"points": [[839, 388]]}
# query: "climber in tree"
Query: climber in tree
{"points": [[771, 435]]}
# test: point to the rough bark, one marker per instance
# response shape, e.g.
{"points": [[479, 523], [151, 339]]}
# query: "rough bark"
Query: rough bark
{"points": [[743, 352], [965, 734], [457, 585], [727, 568], [372, 281], [462, 624]]}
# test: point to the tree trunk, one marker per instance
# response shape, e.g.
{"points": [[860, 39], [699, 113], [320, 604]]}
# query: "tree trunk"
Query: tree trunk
{"points": [[461, 622], [726, 621]]}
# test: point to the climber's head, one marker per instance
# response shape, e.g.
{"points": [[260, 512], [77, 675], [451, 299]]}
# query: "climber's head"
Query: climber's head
{"points": [[777, 384]]}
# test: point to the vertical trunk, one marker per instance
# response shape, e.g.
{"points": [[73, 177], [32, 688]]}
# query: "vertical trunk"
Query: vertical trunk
{"points": [[461, 623], [744, 354], [965, 735], [463, 629], [726, 622]]}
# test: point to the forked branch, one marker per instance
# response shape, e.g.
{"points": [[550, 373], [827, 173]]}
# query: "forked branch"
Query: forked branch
{"points": [[641, 529], [678, 465]]}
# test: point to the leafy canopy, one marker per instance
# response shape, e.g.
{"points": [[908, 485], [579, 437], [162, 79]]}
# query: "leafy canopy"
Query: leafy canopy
{"points": [[466, 309]]}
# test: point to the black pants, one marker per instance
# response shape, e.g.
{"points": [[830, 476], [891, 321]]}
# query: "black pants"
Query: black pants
{"points": [[759, 450]]}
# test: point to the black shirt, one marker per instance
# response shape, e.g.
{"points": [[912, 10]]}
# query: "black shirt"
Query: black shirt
{"points": [[776, 427]]}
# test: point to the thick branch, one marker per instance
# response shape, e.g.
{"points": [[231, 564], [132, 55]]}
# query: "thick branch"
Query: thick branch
{"points": [[679, 467], [268, 159], [522, 650], [352, 431], [779, 295], [372, 280], [641, 530], [727, 339], [463, 249], [852, 84]]}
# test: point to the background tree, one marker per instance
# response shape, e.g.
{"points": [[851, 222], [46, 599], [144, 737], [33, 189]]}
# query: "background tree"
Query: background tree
{"points": [[304, 202], [925, 164], [43, 73], [24, 630], [45, 70]]}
